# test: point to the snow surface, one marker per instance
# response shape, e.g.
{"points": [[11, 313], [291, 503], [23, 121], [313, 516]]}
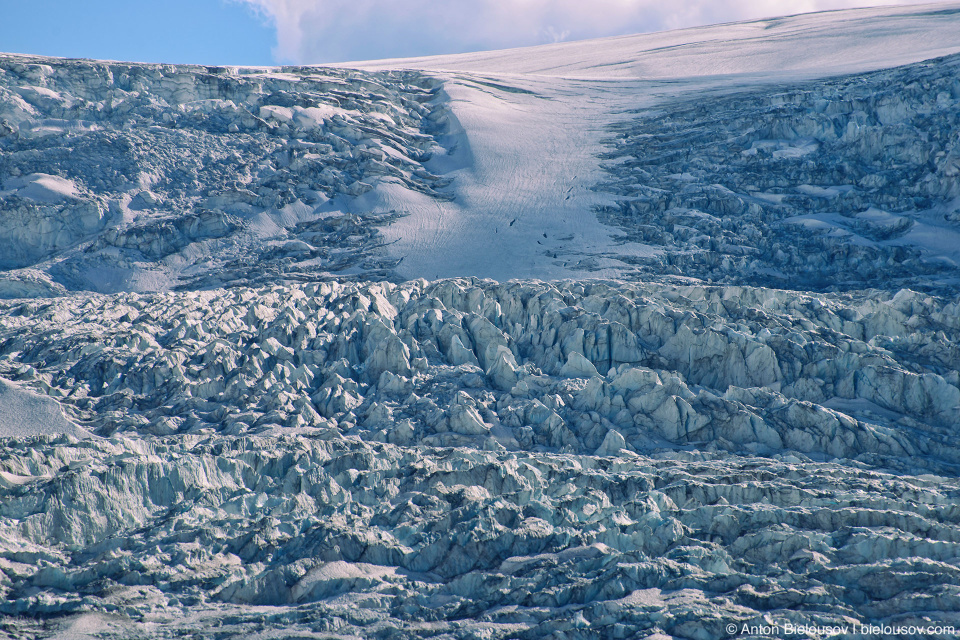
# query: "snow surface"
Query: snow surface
{"points": [[524, 164], [813, 44], [40, 187], [546, 134], [24, 413], [714, 380], [397, 175]]}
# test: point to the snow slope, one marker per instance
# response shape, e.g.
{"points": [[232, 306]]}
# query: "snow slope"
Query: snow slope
{"points": [[24, 414], [760, 156], [545, 134], [810, 45], [715, 380], [523, 167], [325, 173]]}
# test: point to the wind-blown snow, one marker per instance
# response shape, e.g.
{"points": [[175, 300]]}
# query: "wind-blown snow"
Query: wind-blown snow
{"points": [[713, 380]]}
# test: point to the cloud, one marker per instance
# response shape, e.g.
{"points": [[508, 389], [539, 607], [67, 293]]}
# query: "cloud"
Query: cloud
{"points": [[317, 31]]}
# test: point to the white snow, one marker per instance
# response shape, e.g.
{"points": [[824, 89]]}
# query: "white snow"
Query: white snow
{"points": [[517, 138], [814, 44], [528, 149], [523, 166], [25, 413], [41, 187]]}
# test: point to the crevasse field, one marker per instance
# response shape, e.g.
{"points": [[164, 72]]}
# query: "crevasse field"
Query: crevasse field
{"points": [[645, 337]]}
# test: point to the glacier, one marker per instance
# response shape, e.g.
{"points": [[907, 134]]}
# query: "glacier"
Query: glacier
{"points": [[646, 337]]}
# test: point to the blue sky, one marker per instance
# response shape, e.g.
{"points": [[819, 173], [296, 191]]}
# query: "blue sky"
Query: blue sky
{"points": [[261, 32], [175, 31]]}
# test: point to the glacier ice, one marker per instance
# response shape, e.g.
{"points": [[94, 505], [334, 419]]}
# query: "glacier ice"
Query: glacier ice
{"points": [[224, 413], [178, 175], [323, 451], [849, 182]]}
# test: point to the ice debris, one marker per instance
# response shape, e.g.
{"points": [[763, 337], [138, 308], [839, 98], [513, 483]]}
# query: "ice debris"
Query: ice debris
{"points": [[613, 459], [167, 175]]}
